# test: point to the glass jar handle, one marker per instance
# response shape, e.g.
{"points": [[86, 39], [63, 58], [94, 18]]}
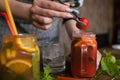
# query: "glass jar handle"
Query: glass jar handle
{"points": [[84, 58]]}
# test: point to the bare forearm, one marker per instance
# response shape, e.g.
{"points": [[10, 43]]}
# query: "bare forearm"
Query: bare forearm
{"points": [[19, 9], [70, 27]]}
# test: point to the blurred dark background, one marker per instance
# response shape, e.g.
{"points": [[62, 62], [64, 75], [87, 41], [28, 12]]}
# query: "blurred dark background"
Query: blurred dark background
{"points": [[104, 18], [104, 21], [116, 27]]}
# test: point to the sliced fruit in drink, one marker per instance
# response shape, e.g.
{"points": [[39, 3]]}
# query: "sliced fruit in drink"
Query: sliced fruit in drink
{"points": [[26, 44], [10, 53], [19, 66]]}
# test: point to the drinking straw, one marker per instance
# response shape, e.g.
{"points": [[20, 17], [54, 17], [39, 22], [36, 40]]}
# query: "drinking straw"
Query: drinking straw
{"points": [[7, 21], [10, 17]]}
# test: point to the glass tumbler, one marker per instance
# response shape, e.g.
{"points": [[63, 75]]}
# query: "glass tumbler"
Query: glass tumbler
{"points": [[54, 57]]}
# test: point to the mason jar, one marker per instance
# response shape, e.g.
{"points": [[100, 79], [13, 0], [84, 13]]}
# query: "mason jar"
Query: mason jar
{"points": [[84, 53]]}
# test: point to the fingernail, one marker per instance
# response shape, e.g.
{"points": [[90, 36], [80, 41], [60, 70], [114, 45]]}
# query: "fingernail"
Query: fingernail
{"points": [[68, 9], [69, 15]]}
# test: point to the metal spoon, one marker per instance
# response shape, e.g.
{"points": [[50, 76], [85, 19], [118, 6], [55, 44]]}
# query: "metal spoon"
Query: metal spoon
{"points": [[75, 16]]}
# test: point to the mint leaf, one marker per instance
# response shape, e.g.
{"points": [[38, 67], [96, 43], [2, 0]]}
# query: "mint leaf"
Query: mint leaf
{"points": [[47, 71], [36, 67], [118, 63], [107, 53], [46, 74], [39, 75], [103, 64], [110, 65], [112, 59], [8, 44]]}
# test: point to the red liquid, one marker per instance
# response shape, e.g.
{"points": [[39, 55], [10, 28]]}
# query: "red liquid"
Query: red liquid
{"points": [[84, 52]]}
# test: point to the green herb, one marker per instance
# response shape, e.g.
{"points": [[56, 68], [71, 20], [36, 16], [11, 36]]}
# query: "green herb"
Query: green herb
{"points": [[8, 45], [39, 75], [109, 65], [46, 74]]}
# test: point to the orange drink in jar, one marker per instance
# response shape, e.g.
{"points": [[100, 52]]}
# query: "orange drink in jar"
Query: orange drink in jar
{"points": [[17, 53], [84, 52]]}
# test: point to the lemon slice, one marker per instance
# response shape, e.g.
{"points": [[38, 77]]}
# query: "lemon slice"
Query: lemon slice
{"points": [[26, 44], [19, 66], [10, 53]]}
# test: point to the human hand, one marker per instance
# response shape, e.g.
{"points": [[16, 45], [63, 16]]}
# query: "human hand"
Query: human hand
{"points": [[43, 12]]}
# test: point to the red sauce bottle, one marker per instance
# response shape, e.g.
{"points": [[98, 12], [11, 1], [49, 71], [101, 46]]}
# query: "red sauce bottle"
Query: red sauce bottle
{"points": [[84, 53]]}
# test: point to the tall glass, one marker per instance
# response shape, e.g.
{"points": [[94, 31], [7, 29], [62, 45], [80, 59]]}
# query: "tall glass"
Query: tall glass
{"points": [[54, 56], [17, 52], [84, 52]]}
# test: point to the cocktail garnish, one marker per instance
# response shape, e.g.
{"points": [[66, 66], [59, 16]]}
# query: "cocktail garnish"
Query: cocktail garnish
{"points": [[8, 44], [26, 44], [19, 65]]}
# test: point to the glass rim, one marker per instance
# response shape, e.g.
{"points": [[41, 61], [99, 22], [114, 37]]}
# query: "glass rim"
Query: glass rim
{"points": [[20, 35], [80, 33]]}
